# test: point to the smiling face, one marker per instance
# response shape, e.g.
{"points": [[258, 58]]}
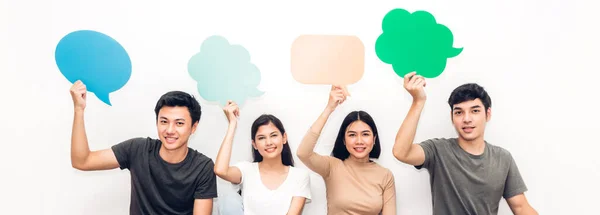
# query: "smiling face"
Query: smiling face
{"points": [[269, 141], [469, 119], [174, 126], [359, 140]]}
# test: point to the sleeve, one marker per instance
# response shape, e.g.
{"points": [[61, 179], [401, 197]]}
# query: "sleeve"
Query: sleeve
{"points": [[206, 188], [514, 182], [389, 194], [244, 167], [303, 188], [320, 164], [429, 147], [126, 152]]}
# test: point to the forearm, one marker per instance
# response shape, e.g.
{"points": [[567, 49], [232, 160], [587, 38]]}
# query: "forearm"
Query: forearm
{"points": [[79, 143], [224, 155], [524, 210], [307, 146], [406, 134]]}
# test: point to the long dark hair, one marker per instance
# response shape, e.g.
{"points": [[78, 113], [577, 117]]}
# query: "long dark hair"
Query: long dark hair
{"points": [[265, 119], [339, 149]]}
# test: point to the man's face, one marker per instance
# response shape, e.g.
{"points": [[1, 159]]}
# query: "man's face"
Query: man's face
{"points": [[174, 127], [469, 119]]}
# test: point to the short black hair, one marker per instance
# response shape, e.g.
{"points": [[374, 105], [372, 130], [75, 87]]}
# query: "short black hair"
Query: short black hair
{"points": [[469, 92], [339, 149], [182, 99], [265, 119]]}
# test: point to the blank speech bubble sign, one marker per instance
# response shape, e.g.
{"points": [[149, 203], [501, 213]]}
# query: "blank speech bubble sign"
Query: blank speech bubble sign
{"points": [[327, 59]]}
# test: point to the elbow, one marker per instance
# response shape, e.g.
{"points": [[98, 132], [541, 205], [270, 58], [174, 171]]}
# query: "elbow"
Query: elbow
{"points": [[221, 172], [302, 155], [399, 154], [78, 165]]}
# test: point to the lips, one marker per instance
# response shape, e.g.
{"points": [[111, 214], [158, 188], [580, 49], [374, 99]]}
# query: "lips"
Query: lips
{"points": [[360, 149], [171, 140], [468, 129], [269, 150]]}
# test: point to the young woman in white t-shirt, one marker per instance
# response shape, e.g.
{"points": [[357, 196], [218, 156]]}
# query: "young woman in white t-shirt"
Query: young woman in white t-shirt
{"points": [[270, 184]]}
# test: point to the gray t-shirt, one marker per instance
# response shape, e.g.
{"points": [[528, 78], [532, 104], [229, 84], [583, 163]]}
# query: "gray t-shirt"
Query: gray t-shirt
{"points": [[467, 184]]}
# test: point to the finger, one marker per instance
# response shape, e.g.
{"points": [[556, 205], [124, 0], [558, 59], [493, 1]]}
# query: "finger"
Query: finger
{"points": [[408, 77], [418, 83], [345, 90]]}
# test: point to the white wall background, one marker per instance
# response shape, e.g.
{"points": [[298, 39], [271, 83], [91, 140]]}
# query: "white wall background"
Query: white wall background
{"points": [[537, 59]]}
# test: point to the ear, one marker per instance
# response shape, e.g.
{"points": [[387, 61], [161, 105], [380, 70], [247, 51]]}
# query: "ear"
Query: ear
{"points": [[488, 116], [194, 127], [254, 145], [285, 138]]}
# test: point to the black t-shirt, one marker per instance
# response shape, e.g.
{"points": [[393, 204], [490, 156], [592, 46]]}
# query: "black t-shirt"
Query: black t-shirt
{"points": [[159, 187]]}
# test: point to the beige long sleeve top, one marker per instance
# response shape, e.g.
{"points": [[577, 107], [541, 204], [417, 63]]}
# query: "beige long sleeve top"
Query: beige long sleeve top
{"points": [[353, 187]]}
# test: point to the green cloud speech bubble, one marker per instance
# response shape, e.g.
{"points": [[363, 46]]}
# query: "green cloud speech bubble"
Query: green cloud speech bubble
{"points": [[415, 42]]}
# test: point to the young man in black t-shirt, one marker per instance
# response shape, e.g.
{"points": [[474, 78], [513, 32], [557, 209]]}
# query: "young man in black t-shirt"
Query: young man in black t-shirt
{"points": [[167, 177]]}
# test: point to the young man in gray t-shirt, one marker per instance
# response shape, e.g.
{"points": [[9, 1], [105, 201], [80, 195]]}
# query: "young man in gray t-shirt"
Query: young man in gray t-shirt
{"points": [[468, 175]]}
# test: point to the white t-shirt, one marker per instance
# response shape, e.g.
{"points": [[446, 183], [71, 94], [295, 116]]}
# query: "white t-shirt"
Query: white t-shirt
{"points": [[260, 200]]}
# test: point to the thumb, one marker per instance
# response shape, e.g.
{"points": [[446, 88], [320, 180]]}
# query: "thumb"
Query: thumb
{"points": [[345, 90]]}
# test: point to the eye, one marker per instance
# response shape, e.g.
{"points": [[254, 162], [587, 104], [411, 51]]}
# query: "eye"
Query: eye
{"points": [[180, 123], [366, 134], [351, 135], [457, 112], [163, 121], [261, 138], [476, 111]]}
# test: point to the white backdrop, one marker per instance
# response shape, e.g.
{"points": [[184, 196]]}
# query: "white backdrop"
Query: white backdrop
{"points": [[537, 59]]}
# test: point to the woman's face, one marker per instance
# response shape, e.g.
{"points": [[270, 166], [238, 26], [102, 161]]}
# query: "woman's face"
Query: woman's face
{"points": [[359, 139], [269, 141]]}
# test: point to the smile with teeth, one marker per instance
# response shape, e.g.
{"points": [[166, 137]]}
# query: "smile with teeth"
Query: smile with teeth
{"points": [[171, 139], [272, 149], [360, 149]]}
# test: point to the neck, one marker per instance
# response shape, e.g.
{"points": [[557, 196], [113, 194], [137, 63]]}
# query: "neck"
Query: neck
{"points": [[474, 147], [273, 164], [359, 160], [173, 156]]}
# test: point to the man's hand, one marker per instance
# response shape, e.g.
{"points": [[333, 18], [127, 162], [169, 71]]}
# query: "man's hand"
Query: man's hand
{"points": [[415, 84], [79, 94]]}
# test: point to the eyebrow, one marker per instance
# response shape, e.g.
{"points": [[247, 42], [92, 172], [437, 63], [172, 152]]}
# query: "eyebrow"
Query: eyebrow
{"points": [[361, 131], [472, 107], [180, 119]]}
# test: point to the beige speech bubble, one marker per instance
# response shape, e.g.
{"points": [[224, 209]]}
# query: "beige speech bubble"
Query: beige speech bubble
{"points": [[328, 59]]}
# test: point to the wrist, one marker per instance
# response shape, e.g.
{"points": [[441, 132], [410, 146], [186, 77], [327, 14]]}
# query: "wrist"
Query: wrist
{"points": [[78, 111]]}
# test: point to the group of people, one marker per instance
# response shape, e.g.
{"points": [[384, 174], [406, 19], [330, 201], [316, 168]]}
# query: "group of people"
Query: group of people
{"points": [[468, 175]]}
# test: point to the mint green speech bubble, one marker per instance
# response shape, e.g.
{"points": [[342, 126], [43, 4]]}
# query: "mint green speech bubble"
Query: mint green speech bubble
{"points": [[224, 72], [415, 42]]}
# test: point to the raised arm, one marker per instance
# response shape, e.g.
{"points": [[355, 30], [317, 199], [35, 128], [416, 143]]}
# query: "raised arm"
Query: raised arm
{"points": [[305, 152], [81, 156], [222, 168], [404, 150]]}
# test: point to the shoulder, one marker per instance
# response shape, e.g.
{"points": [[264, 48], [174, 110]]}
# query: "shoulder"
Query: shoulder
{"points": [[385, 174], [201, 160], [499, 152], [299, 172], [439, 141], [138, 143]]}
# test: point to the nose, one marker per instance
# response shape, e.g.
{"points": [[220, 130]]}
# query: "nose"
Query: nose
{"points": [[170, 129], [467, 118], [359, 140]]}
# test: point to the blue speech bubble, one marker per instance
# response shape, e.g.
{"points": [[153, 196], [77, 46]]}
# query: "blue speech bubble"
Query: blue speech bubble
{"points": [[96, 59], [224, 72]]}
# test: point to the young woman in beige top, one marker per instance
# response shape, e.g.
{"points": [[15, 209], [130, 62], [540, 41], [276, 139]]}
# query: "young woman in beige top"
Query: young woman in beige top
{"points": [[354, 183]]}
